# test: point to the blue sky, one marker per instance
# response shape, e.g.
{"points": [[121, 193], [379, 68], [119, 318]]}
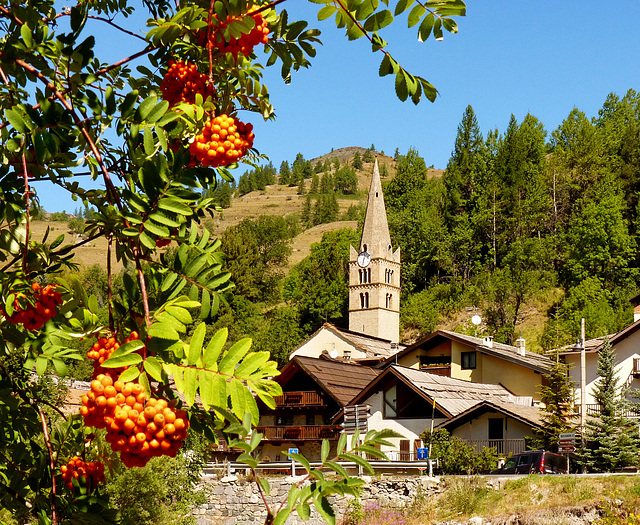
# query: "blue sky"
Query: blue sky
{"points": [[509, 57]]}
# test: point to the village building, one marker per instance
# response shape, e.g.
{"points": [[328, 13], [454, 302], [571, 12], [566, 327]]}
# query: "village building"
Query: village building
{"points": [[411, 401], [477, 360], [314, 392]]}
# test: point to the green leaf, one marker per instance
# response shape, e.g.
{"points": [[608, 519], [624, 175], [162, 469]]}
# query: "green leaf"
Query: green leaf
{"points": [[215, 346], [25, 33], [179, 313], [304, 511], [163, 331], [129, 374], [326, 12], [157, 112], [122, 361], [378, 20], [450, 25], [41, 365], [324, 451], [149, 143], [195, 345], [128, 348], [342, 442], [402, 6], [174, 206], [401, 86], [437, 29], [147, 241], [425, 27], [233, 356], [336, 467], [251, 363], [325, 510], [145, 107], [16, 120], [190, 385], [358, 461], [153, 367], [282, 516], [416, 14]]}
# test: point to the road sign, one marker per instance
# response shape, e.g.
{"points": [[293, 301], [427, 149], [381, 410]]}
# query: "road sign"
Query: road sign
{"points": [[567, 436], [423, 453], [566, 449], [292, 451], [355, 417]]}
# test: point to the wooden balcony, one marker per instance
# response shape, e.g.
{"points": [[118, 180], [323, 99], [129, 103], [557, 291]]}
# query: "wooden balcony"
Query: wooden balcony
{"points": [[301, 433], [636, 367], [299, 399], [504, 447], [439, 370]]}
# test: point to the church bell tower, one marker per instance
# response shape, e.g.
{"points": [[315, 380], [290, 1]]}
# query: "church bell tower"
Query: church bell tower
{"points": [[374, 273]]}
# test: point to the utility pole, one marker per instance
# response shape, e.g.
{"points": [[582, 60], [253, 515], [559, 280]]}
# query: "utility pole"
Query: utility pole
{"points": [[583, 383]]}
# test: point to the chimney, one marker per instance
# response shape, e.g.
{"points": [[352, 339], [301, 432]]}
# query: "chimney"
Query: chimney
{"points": [[520, 346], [487, 341]]}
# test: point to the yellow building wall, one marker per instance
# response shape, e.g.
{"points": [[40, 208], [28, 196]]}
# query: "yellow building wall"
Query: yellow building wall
{"points": [[412, 360], [517, 379]]}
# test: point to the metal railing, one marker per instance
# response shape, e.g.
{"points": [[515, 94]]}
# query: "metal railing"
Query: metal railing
{"points": [[594, 409], [300, 433], [504, 447]]}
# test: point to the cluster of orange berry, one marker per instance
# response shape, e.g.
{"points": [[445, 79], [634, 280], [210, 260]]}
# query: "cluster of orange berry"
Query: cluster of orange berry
{"points": [[137, 427], [222, 141], [92, 472], [34, 315], [246, 42], [102, 350], [182, 82]]}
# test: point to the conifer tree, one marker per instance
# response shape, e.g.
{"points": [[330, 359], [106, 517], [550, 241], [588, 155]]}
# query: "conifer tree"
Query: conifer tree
{"points": [[285, 173], [611, 440], [557, 416]]}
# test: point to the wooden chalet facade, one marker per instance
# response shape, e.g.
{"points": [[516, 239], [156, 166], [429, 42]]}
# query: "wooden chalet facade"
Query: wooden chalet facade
{"points": [[314, 392]]}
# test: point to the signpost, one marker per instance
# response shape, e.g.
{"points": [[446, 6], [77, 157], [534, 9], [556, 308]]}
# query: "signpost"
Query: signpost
{"points": [[567, 445], [355, 418], [293, 462]]}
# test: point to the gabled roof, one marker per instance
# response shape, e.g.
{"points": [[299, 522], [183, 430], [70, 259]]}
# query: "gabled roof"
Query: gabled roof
{"points": [[373, 347], [341, 381], [451, 396], [536, 362], [529, 415], [595, 345]]}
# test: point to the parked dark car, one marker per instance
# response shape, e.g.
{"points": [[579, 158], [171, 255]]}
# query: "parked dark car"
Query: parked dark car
{"points": [[534, 462]]}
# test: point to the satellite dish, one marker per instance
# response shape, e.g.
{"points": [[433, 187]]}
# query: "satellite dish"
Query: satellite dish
{"points": [[476, 320], [333, 353]]}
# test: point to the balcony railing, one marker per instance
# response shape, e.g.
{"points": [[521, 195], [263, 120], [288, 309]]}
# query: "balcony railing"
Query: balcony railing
{"points": [[504, 447], [595, 409], [298, 399], [301, 433], [636, 367]]}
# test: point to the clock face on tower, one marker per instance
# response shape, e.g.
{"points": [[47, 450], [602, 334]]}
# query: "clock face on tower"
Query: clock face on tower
{"points": [[363, 259]]}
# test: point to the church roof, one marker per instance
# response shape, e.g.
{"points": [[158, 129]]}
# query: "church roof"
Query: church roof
{"points": [[373, 347], [376, 228]]}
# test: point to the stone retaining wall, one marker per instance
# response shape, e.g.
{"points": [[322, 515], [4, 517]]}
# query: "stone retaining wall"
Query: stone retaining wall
{"points": [[233, 500]]}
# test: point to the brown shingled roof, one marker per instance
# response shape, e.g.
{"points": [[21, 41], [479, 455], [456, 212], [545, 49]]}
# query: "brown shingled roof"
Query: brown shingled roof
{"points": [[341, 381]]}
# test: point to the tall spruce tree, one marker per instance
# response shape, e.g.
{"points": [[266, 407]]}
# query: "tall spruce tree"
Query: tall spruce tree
{"points": [[612, 441]]}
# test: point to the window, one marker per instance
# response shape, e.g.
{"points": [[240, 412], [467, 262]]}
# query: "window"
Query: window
{"points": [[310, 420], [468, 361], [389, 301], [284, 421], [427, 360], [364, 300], [365, 275], [390, 403]]}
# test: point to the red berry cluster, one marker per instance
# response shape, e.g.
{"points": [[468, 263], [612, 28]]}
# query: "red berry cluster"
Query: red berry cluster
{"points": [[222, 141], [92, 472], [247, 41], [137, 427], [102, 350], [182, 82], [33, 315]]}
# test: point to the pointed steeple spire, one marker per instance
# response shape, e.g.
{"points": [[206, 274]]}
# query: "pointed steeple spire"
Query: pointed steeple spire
{"points": [[376, 227]]}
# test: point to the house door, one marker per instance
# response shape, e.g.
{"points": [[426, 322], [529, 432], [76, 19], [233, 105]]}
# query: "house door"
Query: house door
{"points": [[405, 452], [496, 434]]}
